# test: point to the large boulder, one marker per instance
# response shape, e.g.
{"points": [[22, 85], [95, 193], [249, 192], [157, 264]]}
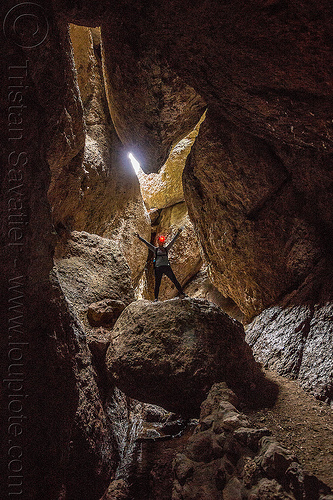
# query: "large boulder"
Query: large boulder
{"points": [[170, 353], [91, 269]]}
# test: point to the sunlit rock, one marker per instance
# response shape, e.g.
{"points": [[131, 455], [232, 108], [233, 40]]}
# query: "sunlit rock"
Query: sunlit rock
{"points": [[165, 188], [99, 191], [259, 241], [151, 107]]}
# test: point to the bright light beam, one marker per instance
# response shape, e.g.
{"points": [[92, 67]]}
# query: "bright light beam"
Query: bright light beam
{"points": [[135, 163]]}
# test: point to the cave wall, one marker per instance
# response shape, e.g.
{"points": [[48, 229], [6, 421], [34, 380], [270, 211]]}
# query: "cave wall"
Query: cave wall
{"points": [[264, 69], [48, 393], [165, 188], [258, 180], [266, 234], [151, 107], [265, 85], [98, 191]]}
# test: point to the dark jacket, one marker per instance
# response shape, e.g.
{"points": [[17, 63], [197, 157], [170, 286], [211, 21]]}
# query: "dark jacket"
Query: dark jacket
{"points": [[161, 253]]}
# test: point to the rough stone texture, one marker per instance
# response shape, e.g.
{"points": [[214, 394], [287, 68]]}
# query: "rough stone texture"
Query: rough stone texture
{"points": [[91, 269], [92, 447], [261, 241], [118, 490], [98, 190], [151, 108], [98, 343], [297, 341], [170, 353], [225, 459], [268, 68], [166, 188], [65, 134], [201, 286], [105, 312], [50, 360], [265, 70]]}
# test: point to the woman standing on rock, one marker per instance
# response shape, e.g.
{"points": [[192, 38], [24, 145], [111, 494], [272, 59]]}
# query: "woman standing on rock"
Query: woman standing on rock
{"points": [[162, 264]]}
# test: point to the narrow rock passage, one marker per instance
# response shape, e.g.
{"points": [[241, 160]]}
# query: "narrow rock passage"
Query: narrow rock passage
{"points": [[302, 424]]}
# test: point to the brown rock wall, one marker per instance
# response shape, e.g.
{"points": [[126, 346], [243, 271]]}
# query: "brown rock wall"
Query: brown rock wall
{"points": [[267, 67], [151, 108], [257, 234], [92, 268], [201, 286], [265, 70], [41, 378], [166, 188], [226, 459], [98, 190]]}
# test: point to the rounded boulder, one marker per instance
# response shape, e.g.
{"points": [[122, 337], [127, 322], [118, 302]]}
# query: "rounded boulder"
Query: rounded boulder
{"points": [[170, 353]]}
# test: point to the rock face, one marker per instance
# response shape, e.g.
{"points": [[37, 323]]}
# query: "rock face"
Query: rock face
{"points": [[261, 242], [170, 353], [152, 109], [105, 312], [47, 385], [265, 70], [297, 342], [92, 269], [98, 190], [118, 490], [226, 459], [201, 286], [262, 166], [92, 450], [166, 188]]}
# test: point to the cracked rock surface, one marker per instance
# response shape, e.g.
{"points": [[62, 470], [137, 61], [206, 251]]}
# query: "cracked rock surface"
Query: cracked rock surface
{"points": [[227, 459]]}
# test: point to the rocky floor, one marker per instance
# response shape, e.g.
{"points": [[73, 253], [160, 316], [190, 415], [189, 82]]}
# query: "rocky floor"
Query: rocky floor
{"points": [[302, 424]]}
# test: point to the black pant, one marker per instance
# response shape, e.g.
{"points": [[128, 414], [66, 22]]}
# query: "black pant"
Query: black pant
{"points": [[159, 271]]}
